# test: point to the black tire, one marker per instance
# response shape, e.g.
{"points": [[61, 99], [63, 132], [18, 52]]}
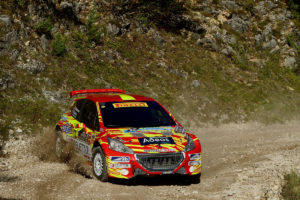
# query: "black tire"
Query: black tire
{"points": [[60, 145], [195, 179], [99, 165]]}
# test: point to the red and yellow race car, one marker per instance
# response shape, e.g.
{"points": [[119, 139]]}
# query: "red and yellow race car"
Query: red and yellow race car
{"points": [[124, 135]]}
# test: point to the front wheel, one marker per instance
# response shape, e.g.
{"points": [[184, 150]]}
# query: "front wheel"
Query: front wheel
{"points": [[99, 165], [195, 179]]}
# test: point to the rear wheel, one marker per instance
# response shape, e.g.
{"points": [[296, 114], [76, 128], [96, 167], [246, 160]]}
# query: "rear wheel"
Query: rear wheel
{"points": [[99, 165], [59, 146]]}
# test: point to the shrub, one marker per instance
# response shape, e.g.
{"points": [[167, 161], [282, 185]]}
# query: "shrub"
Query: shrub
{"points": [[291, 188], [21, 3], [292, 39], [94, 30], [59, 45], [294, 6], [44, 27]]}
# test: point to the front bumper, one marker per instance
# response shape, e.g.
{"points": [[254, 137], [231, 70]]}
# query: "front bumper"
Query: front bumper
{"points": [[121, 165]]}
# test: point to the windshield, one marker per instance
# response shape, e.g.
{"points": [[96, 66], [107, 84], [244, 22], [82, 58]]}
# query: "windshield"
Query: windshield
{"points": [[134, 114]]}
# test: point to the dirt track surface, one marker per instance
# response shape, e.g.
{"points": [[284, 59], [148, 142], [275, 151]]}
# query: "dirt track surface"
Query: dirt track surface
{"points": [[245, 161]]}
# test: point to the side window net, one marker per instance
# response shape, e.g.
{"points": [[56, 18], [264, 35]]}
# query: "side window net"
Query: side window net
{"points": [[76, 111], [90, 116]]}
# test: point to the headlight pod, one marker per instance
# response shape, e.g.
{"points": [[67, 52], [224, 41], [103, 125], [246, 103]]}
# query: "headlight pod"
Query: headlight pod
{"points": [[190, 145], [118, 146]]}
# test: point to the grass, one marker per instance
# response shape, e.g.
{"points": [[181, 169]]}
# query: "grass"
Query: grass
{"points": [[291, 187], [231, 89]]}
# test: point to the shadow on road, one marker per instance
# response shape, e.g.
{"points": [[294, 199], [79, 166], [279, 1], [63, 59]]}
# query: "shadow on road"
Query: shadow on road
{"points": [[178, 180]]}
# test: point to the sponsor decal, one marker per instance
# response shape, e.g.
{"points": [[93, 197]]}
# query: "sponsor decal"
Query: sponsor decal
{"points": [[156, 140], [67, 129], [179, 129], [195, 156], [130, 104], [82, 147], [119, 158], [195, 163], [159, 150], [119, 165]]}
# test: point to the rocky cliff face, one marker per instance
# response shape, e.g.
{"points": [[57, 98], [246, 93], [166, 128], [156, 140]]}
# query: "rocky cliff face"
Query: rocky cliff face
{"points": [[222, 59], [217, 25]]}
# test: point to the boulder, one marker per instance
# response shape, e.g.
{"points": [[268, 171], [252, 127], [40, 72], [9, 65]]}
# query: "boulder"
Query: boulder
{"points": [[231, 5], [238, 24], [6, 83], [159, 40], [33, 66], [209, 43], [5, 19], [270, 44], [290, 62], [195, 83], [8, 40], [44, 42], [260, 8], [112, 29]]}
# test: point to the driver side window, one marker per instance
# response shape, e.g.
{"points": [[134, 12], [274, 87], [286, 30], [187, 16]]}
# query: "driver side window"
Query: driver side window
{"points": [[89, 115]]}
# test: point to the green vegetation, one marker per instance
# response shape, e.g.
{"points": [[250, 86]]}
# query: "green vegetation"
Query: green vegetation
{"points": [[94, 28], [294, 6], [292, 41], [44, 27], [21, 3], [59, 47], [291, 188]]}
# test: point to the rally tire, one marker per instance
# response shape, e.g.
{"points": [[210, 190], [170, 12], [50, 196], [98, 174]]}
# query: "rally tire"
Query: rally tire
{"points": [[60, 144], [195, 179], [99, 165]]}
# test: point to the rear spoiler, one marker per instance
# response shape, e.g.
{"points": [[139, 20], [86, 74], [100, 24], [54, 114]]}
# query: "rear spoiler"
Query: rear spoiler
{"points": [[95, 91]]}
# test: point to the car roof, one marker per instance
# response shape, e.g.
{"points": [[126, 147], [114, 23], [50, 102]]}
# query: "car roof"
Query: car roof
{"points": [[113, 97]]}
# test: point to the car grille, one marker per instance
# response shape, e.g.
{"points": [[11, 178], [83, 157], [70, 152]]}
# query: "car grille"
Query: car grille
{"points": [[160, 162]]}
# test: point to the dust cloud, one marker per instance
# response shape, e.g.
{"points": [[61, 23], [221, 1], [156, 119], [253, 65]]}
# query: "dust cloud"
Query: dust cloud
{"points": [[44, 149]]}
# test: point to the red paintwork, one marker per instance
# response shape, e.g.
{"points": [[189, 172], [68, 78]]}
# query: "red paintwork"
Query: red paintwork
{"points": [[113, 95]]}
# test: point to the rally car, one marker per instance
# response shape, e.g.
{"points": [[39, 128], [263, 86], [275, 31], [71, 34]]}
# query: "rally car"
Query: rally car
{"points": [[123, 135]]}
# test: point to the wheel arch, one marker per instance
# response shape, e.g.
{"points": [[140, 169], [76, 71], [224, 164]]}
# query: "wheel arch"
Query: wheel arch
{"points": [[96, 144], [57, 128]]}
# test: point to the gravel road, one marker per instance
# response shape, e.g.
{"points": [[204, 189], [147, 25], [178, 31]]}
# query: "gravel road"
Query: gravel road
{"points": [[240, 161]]}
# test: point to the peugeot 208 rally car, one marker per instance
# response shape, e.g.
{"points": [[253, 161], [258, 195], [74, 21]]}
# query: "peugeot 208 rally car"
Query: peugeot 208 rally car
{"points": [[124, 135]]}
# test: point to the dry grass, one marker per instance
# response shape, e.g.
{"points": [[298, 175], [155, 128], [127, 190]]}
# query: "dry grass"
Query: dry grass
{"points": [[291, 188]]}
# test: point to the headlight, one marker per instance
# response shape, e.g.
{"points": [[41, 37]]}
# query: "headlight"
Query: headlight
{"points": [[190, 145], [118, 146]]}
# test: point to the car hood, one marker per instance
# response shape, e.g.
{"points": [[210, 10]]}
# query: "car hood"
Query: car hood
{"points": [[150, 140]]}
